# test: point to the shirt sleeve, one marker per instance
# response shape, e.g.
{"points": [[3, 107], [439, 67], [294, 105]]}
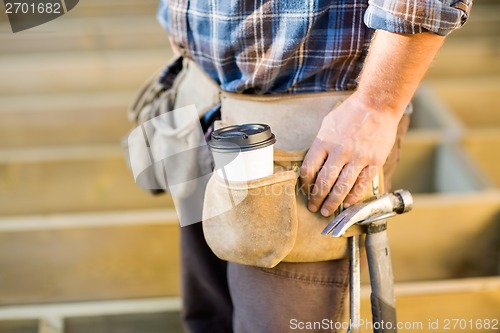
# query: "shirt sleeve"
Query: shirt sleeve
{"points": [[414, 16]]}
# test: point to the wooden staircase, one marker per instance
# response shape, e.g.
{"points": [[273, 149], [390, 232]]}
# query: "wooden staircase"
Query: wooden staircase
{"points": [[82, 249], [74, 227]]}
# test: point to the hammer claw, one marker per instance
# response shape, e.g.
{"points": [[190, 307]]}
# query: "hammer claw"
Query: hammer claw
{"points": [[335, 222], [369, 211]]}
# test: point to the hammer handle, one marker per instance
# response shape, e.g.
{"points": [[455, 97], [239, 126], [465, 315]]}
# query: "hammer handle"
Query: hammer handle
{"points": [[382, 281]]}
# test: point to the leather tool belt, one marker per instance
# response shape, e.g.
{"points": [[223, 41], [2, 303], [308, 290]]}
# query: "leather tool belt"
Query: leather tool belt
{"points": [[264, 221]]}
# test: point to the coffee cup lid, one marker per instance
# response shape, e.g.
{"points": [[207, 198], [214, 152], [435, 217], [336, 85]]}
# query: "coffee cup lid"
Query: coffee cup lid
{"points": [[241, 138]]}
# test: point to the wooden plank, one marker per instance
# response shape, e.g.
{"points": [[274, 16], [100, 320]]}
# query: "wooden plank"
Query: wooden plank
{"points": [[429, 166], [51, 325], [70, 179], [86, 34], [482, 54], [474, 100], [95, 71], [83, 264], [114, 8], [417, 302], [432, 306], [57, 221], [485, 2], [484, 147], [457, 172], [121, 70], [93, 8], [91, 309], [447, 236], [431, 115], [162, 322], [64, 119], [416, 167], [19, 326]]}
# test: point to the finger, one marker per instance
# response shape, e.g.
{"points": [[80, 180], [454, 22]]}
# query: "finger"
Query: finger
{"points": [[312, 163], [342, 187], [362, 185], [324, 182]]}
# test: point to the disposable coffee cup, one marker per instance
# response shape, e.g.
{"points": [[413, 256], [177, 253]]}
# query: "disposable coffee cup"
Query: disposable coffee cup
{"points": [[243, 152]]}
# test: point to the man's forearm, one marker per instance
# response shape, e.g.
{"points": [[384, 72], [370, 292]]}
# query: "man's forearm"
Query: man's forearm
{"points": [[356, 138], [395, 66]]}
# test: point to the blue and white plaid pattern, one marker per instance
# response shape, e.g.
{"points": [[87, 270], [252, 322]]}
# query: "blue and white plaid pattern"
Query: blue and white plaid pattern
{"points": [[294, 46], [414, 16]]}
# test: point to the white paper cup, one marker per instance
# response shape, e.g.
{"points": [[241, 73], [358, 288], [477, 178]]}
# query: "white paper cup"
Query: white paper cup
{"points": [[243, 152]]}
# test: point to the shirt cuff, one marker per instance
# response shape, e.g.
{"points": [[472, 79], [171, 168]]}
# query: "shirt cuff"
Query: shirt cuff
{"points": [[411, 17]]}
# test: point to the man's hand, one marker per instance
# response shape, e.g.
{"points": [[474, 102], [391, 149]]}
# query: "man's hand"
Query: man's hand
{"points": [[352, 144], [356, 138]]}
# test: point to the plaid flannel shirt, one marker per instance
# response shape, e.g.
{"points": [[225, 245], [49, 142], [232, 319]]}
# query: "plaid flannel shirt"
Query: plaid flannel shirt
{"points": [[295, 46]]}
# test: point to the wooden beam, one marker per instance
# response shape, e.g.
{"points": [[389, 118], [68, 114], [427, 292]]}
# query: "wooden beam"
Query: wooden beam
{"points": [[79, 71], [64, 119], [415, 170], [417, 302], [94, 8], [447, 236], [70, 179], [457, 172], [431, 116], [88, 33], [474, 100], [19, 326], [484, 146], [87, 309], [88, 264], [423, 304], [51, 325], [160, 322], [481, 54], [29, 223], [115, 8], [429, 166]]}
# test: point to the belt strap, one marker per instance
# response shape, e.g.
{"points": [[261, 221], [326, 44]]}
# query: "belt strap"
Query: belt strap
{"points": [[295, 119]]}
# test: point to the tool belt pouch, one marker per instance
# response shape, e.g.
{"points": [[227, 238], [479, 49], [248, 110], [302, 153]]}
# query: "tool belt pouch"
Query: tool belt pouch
{"points": [[166, 137], [266, 221], [156, 97], [252, 223]]}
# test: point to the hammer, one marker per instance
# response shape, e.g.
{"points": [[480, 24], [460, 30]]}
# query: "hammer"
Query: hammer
{"points": [[373, 213]]}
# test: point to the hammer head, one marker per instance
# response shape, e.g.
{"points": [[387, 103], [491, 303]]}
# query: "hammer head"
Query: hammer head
{"points": [[376, 208]]}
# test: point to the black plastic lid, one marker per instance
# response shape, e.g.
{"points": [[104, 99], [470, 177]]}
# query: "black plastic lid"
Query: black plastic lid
{"points": [[241, 138]]}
